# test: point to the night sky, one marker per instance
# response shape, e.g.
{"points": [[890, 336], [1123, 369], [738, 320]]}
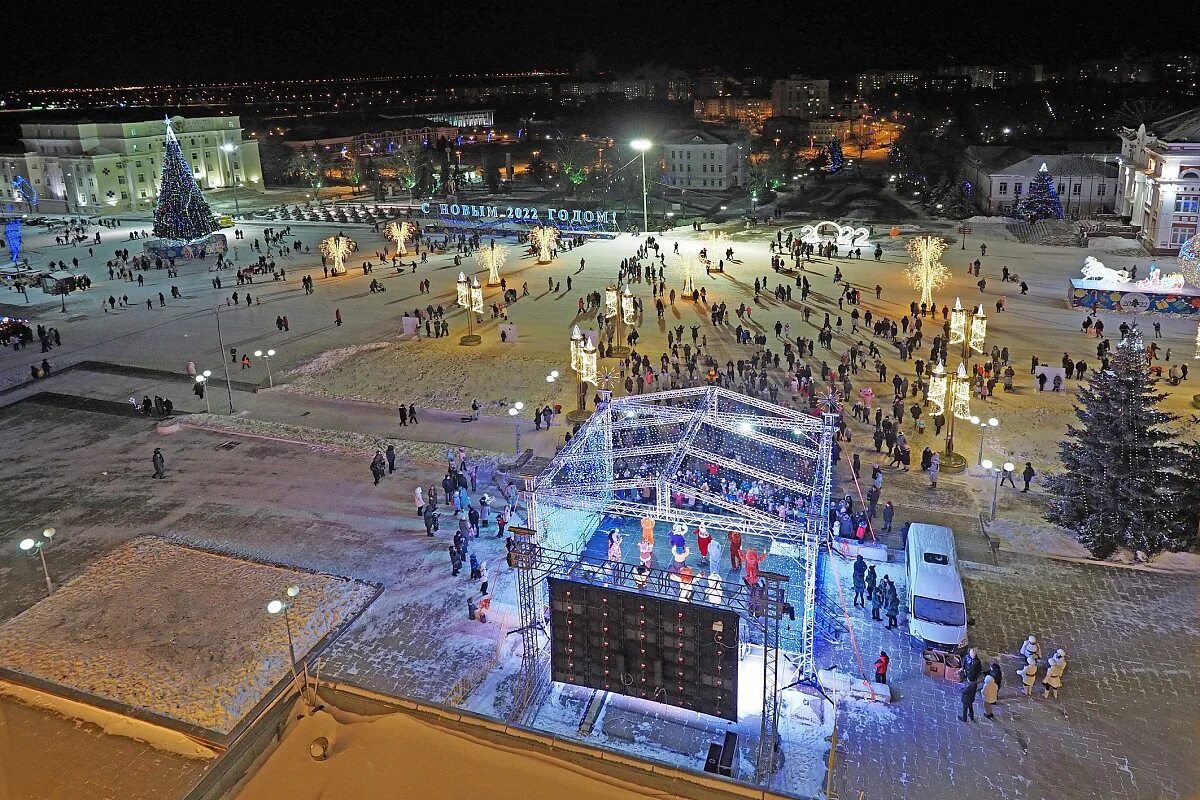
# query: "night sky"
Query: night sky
{"points": [[88, 44]]}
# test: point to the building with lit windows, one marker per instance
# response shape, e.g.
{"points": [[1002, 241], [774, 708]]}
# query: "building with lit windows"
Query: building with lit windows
{"points": [[798, 96], [747, 113], [1159, 185], [102, 168], [871, 82], [706, 158], [1000, 176]]}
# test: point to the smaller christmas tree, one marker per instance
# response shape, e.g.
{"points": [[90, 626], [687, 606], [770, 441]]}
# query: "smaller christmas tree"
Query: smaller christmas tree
{"points": [[836, 159], [1041, 202], [182, 214], [1121, 484]]}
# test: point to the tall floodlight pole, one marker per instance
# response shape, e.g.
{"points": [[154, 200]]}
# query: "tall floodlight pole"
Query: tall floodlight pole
{"points": [[642, 145], [221, 341]]}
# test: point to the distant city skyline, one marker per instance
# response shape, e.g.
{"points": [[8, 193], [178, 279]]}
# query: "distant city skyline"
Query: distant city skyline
{"points": [[300, 41]]}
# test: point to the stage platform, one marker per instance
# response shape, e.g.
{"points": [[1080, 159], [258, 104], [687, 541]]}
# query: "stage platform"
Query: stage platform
{"points": [[1132, 298]]}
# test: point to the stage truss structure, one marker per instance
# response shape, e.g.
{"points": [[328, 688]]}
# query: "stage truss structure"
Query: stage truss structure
{"points": [[633, 458]]}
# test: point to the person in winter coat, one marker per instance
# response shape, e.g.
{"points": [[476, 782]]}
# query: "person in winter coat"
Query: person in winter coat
{"points": [[893, 607], [969, 692], [1030, 648], [419, 499], [160, 463], [1027, 475], [377, 468], [877, 600], [934, 468], [474, 576], [483, 578], [871, 580], [889, 513], [996, 673], [1055, 669], [991, 693], [972, 667], [1028, 675], [455, 561], [429, 517], [881, 667], [860, 581]]}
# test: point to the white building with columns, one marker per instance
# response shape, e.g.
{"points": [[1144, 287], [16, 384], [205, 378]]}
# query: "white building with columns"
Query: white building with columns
{"points": [[103, 168], [1159, 184]]}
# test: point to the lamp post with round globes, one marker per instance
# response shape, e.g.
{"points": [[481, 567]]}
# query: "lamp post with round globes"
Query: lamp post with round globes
{"points": [[202, 379], [983, 424], [229, 149], [642, 145], [38, 546], [515, 413], [266, 357], [997, 473], [277, 606]]}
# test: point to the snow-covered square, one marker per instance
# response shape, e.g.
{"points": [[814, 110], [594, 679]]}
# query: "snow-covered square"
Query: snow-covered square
{"points": [[177, 632]]}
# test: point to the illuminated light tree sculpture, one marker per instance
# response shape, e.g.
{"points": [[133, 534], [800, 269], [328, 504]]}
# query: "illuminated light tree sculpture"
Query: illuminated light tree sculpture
{"points": [[937, 390], [687, 272], [399, 231], [492, 258], [619, 304], [576, 347], [544, 238], [712, 239], [181, 213], [470, 299], [1189, 260], [337, 249], [1126, 482], [926, 273]]}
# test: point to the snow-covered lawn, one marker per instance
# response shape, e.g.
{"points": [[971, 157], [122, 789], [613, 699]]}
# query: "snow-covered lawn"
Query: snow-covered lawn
{"points": [[178, 632]]}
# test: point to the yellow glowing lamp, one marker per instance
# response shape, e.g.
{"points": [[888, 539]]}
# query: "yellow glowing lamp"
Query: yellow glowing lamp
{"points": [[610, 301], [576, 347], [588, 362], [978, 330], [627, 311], [464, 290], [958, 323], [476, 296], [962, 394], [937, 389]]}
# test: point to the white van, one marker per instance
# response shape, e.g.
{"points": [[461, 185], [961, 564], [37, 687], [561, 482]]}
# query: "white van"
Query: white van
{"points": [[937, 609]]}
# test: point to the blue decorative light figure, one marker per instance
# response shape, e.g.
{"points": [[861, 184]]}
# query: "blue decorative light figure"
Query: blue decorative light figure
{"points": [[12, 236]]}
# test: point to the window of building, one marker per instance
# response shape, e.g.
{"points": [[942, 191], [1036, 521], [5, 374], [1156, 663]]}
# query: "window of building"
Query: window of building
{"points": [[689, 155], [142, 193], [1003, 187], [720, 167], [195, 157], [1179, 235], [93, 199], [135, 145], [137, 164], [1062, 188], [1077, 188], [141, 177], [1017, 187], [1101, 190], [124, 195], [1187, 204]]}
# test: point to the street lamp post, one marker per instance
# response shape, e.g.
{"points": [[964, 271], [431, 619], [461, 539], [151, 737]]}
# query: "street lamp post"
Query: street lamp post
{"points": [[229, 150], [266, 357], [202, 379], [996, 476], [515, 413], [642, 145], [221, 342], [39, 546], [277, 606], [983, 424]]}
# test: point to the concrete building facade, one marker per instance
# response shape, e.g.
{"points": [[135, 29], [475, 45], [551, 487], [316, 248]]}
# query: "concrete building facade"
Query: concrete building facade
{"points": [[102, 168], [1000, 177], [798, 96], [1159, 184], [706, 158]]}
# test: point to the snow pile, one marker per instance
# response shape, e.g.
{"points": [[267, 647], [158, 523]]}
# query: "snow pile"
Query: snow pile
{"points": [[403, 756], [318, 438], [331, 359], [112, 724], [982, 220], [178, 632]]}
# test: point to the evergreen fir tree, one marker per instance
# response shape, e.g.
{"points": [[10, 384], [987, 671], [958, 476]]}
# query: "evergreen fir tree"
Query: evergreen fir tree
{"points": [[182, 214], [1041, 202], [1121, 486], [836, 159]]}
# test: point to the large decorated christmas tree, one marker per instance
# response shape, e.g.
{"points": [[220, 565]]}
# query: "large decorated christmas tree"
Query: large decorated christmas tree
{"points": [[181, 215], [1041, 201], [1124, 478]]}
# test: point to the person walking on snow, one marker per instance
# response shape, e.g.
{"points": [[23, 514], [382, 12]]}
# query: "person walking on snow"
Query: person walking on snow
{"points": [[991, 693], [160, 463], [881, 667], [969, 692], [1030, 648], [1055, 669], [419, 499]]}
